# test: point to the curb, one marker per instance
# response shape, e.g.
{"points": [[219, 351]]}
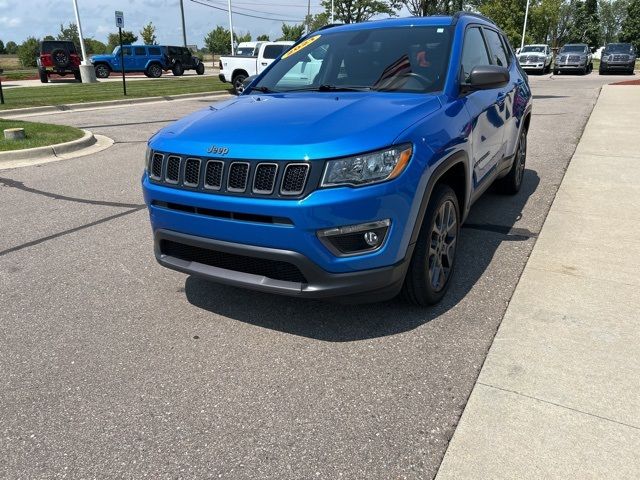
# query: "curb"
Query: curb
{"points": [[109, 103], [50, 150]]}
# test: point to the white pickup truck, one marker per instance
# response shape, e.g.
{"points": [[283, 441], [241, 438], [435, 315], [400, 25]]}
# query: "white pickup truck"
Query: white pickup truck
{"points": [[236, 68]]}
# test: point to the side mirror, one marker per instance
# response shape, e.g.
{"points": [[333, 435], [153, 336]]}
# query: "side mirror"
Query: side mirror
{"points": [[486, 77], [246, 83]]}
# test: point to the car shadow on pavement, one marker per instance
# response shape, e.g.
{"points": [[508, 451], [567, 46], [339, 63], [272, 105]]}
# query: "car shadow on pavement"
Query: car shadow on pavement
{"points": [[334, 322]]}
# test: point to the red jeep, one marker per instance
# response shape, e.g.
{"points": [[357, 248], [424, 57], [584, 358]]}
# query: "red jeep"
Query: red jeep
{"points": [[59, 57]]}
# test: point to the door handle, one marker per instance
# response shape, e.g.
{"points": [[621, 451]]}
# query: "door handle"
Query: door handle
{"points": [[264, 64]]}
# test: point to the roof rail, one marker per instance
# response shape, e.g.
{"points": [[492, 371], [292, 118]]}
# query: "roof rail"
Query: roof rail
{"points": [[457, 15], [329, 25]]}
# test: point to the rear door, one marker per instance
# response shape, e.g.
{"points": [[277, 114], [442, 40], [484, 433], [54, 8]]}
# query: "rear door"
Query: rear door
{"points": [[483, 108], [140, 58], [129, 59], [269, 54]]}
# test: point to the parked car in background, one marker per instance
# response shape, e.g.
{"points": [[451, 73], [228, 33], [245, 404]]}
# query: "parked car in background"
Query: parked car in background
{"points": [[618, 57], [235, 69], [352, 183], [181, 59], [58, 57], [148, 59], [536, 58], [574, 57]]}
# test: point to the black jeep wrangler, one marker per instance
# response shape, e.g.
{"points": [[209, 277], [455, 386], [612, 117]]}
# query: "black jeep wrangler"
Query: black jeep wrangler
{"points": [[59, 57], [181, 59]]}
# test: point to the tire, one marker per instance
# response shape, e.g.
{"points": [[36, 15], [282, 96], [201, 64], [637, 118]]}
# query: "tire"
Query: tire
{"points": [[237, 81], [77, 76], [601, 71], [178, 69], [200, 69], [102, 70], [556, 71], [60, 58], [583, 70], [154, 70], [511, 184], [433, 260], [44, 78]]}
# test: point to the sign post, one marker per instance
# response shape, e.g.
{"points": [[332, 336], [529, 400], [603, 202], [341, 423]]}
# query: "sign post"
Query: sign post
{"points": [[1, 94], [120, 25]]}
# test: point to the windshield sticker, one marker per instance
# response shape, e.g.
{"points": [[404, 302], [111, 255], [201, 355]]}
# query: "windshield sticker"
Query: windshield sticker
{"points": [[300, 46]]}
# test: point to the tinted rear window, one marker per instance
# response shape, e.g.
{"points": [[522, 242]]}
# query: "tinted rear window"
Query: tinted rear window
{"points": [[140, 51], [48, 47], [154, 51]]}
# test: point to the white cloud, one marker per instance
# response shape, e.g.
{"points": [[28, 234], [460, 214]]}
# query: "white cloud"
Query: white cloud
{"points": [[10, 22]]}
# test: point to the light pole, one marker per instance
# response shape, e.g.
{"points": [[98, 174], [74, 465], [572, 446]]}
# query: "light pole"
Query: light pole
{"points": [[184, 31], [231, 27], [331, 11], [87, 73], [524, 28]]}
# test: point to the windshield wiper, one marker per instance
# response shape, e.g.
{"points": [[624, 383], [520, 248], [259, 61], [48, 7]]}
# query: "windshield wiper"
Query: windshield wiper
{"points": [[330, 88]]}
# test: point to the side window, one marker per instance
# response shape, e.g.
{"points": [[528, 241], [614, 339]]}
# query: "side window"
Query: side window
{"points": [[140, 51], [272, 51], [498, 52], [126, 51], [474, 51], [154, 51]]}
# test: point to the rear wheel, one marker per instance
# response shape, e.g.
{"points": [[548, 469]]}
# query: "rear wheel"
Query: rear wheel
{"points": [[102, 71], [238, 80], [200, 69], [513, 181], [178, 69], [433, 259], [77, 76], [44, 78], [154, 70]]}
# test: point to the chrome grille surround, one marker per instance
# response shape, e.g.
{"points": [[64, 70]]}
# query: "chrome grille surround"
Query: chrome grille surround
{"points": [[172, 169], [259, 183], [292, 183], [216, 168], [238, 175], [191, 174]]}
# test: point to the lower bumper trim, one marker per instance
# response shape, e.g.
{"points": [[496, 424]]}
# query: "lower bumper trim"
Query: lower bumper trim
{"points": [[362, 286]]}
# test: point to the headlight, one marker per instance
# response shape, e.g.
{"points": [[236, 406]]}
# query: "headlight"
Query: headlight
{"points": [[605, 58], [367, 168], [147, 158]]}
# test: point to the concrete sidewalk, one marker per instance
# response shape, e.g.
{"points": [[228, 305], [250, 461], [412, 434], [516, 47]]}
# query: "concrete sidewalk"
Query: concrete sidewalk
{"points": [[559, 393]]}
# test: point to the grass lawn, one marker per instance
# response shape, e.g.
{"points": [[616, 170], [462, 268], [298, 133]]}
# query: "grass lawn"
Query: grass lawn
{"points": [[91, 92], [38, 134]]}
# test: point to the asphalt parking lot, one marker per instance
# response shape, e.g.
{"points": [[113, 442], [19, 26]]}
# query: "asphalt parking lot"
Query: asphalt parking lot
{"points": [[115, 367]]}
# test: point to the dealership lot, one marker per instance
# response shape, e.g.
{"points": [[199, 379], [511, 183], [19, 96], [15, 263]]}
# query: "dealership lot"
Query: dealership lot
{"points": [[117, 367]]}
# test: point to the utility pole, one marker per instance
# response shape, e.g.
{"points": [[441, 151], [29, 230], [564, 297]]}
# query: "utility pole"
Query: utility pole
{"points": [[331, 11], [87, 73], [231, 27], [308, 16], [184, 31], [524, 28]]}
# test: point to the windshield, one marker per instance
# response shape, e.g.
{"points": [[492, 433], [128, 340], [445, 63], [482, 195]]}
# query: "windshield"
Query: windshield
{"points": [[619, 48], [532, 50], [48, 47], [245, 51], [399, 59], [573, 49]]}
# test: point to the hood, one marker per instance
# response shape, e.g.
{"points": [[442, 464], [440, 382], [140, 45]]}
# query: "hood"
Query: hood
{"points": [[294, 126], [104, 56]]}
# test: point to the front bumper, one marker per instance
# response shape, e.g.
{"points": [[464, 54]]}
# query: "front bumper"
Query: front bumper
{"points": [[570, 66], [617, 66], [370, 285]]}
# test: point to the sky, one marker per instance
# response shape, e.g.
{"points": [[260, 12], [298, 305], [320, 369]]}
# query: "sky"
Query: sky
{"points": [[18, 20]]}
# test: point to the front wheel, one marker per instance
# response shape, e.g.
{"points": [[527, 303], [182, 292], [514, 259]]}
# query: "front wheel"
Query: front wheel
{"points": [[102, 71], [177, 69], [513, 181], [433, 259]]}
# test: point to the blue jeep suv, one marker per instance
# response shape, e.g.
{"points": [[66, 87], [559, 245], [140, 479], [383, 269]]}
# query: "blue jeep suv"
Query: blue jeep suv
{"points": [[148, 59], [346, 168]]}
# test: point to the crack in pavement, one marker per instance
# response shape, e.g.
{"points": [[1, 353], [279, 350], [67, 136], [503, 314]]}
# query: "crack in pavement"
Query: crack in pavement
{"points": [[8, 182]]}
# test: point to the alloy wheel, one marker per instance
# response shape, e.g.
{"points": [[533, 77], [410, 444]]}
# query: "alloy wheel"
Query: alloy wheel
{"points": [[442, 246]]}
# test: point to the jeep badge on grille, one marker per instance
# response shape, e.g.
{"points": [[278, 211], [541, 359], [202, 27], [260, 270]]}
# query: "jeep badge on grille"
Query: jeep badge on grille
{"points": [[218, 150]]}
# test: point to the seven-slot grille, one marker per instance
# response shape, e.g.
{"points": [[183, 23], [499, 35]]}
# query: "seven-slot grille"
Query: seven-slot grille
{"points": [[233, 176]]}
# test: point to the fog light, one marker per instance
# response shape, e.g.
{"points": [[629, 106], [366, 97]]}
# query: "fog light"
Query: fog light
{"points": [[355, 239]]}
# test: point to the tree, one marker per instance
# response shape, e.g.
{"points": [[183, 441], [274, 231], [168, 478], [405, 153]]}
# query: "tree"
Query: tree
{"points": [[242, 38], [612, 14], [292, 32], [95, 46], [48, 37], [128, 38], [422, 8], [70, 33], [316, 22], [148, 34], [2, 49], [263, 38], [218, 41], [28, 52], [508, 14], [11, 47], [593, 32], [353, 11], [630, 26]]}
